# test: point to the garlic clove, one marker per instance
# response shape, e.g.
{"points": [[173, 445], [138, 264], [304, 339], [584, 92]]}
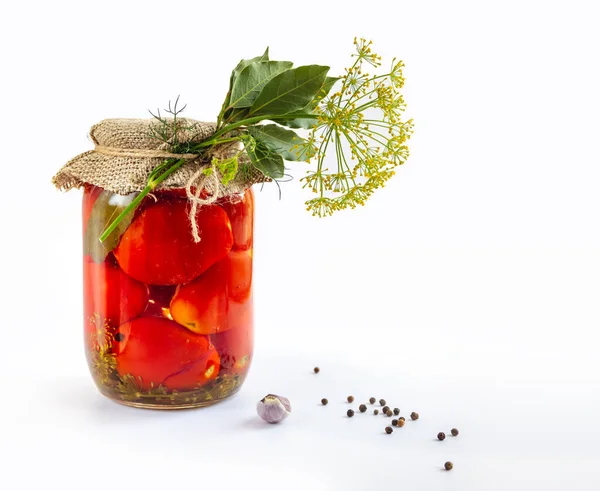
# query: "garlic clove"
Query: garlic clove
{"points": [[273, 409]]}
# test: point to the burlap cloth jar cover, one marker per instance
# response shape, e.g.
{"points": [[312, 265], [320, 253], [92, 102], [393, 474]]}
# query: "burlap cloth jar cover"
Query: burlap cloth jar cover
{"points": [[126, 152]]}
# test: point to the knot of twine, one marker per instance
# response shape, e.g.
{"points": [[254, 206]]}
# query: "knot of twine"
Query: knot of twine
{"points": [[199, 181]]}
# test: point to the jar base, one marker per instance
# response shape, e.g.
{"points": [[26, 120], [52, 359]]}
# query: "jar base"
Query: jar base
{"points": [[162, 407], [220, 389]]}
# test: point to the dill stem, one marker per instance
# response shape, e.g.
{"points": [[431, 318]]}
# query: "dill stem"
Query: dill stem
{"points": [[367, 105], [345, 81], [345, 133], [324, 145], [357, 147], [370, 135], [376, 122]]}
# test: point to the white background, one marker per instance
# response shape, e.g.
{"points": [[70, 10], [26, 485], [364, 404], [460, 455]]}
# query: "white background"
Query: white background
{"points": [[466, 290]]}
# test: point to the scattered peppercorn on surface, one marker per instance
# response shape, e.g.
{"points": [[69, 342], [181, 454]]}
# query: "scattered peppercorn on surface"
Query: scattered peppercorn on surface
{"points": [[381, 427], [398, 423], [368, 416]]}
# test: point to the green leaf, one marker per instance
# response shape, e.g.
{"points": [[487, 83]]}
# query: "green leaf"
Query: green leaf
{"points": [[290, 91], [107, 207], [285, 142], [297, 123], [244, 63], [237, 114], [265, 160], [252, 79], [307, 123], [234, 73], [325, 89]]}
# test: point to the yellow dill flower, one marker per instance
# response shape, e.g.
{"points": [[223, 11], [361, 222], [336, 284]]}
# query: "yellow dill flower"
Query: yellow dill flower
{"points": [[361, 124]]}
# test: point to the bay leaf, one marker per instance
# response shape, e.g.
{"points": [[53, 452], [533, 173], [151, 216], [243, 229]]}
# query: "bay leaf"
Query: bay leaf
{"points": [[299, 122], [252, 79], [265, 160], [282, 141], [226, 109], [244, 63], [289, 91], [237, 114], [307, 123], [107, 207]]}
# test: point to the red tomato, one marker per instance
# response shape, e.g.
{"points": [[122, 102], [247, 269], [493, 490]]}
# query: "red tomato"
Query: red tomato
{"points": [[240, 275], [160, 351], [203, 305], [158, 247], [240, 210], [235, 345], [110, 294]]}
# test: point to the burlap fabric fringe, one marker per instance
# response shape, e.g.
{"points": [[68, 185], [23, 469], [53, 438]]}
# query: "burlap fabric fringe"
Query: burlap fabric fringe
{"points": [[126, 153]]}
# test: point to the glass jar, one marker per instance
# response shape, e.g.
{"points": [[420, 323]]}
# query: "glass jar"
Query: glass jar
{"points": [[168, 322]]}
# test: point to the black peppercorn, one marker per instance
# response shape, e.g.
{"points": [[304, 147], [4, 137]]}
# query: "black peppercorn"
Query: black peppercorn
{"points": [[441, 436], [394, 422], [376, 412], [119, 337], [400, 423], [454, 432], [448, 466], [372, 400], [350, 413], [317, 369], [382, 402], [362, 408], [324, 402], [388, 413], [385, 409], [414, 416], [396, 411], [402, 418], [388, 429], [350, 398]]}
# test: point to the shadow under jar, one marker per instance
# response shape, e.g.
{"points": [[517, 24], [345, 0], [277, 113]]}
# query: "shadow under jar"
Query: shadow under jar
{"points": [[168, 322]]}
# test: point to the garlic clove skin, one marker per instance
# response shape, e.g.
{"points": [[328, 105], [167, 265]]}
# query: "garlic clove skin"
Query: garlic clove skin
{"points": [[273, 409]]}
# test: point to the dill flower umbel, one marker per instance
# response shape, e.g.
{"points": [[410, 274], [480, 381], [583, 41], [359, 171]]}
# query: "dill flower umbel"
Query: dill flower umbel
{"points": [[361, 122]]}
